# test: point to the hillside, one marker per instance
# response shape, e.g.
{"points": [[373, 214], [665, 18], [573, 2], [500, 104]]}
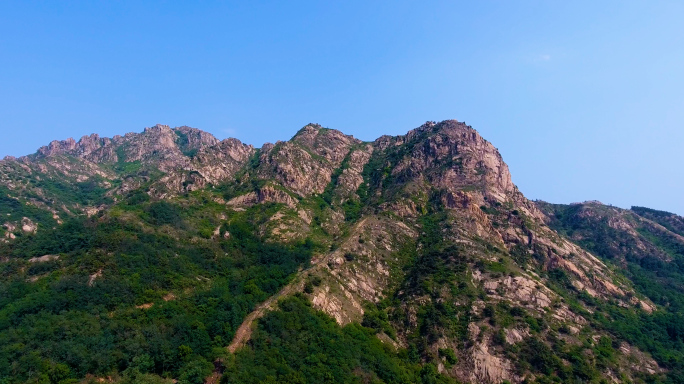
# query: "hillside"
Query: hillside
{"points": [[169, 254]]}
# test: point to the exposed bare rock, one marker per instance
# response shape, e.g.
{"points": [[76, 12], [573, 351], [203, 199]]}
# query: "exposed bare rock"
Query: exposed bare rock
{"points": [[295, 168], [336, 305], [470, 160], [222, 160], [358, 270], [330, 144], [43, 259], [304, 215], [489, 368], [193, 138], [91, 278], [640, 361], [265, 194], [350, 179], [521, 290], [515, 335], [248, 199], [306, 163], [9, 227], [58, 147]]}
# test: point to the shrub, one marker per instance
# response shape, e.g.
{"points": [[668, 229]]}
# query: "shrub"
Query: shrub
{"points": [[164, 213], [448, 354]]}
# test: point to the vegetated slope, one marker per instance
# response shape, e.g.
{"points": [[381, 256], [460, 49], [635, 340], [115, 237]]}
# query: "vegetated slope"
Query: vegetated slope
{"points": [[646, 246], [412, 258]]}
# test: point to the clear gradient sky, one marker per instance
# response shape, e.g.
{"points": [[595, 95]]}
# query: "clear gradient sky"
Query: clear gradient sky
{"points": [[584, 99]]}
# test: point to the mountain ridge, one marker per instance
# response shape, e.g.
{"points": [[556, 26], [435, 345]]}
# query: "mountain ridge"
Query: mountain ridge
{"points": [[421, 239]]}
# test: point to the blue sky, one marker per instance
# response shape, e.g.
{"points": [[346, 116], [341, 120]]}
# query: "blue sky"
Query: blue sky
{"points": [[584, 99]]}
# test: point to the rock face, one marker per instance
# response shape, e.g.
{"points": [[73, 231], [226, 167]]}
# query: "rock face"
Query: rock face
{"points": [[427, 228], [452, 155], [306, 163]]}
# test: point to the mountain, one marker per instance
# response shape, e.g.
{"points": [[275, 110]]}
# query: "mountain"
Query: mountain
{"points": [[169, 254]]}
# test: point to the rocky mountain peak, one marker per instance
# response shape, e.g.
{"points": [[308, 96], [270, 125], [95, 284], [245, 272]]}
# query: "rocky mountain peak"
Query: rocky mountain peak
{"points": [[311, 129], [432, 127], [157, 128], [315, 136], [57, 147], [159, 135], [306, 163], [196, 138], [452, 156]]}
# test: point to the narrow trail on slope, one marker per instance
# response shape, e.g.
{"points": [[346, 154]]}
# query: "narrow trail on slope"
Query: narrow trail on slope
{"points": [[244, 332]]}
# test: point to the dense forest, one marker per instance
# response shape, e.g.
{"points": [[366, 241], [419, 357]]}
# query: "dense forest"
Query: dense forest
{"points": [[150, 295]]}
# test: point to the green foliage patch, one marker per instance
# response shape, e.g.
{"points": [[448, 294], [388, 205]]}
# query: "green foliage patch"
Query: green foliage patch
{"points": [[14, 209], [104, 306], [300, 345]]}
